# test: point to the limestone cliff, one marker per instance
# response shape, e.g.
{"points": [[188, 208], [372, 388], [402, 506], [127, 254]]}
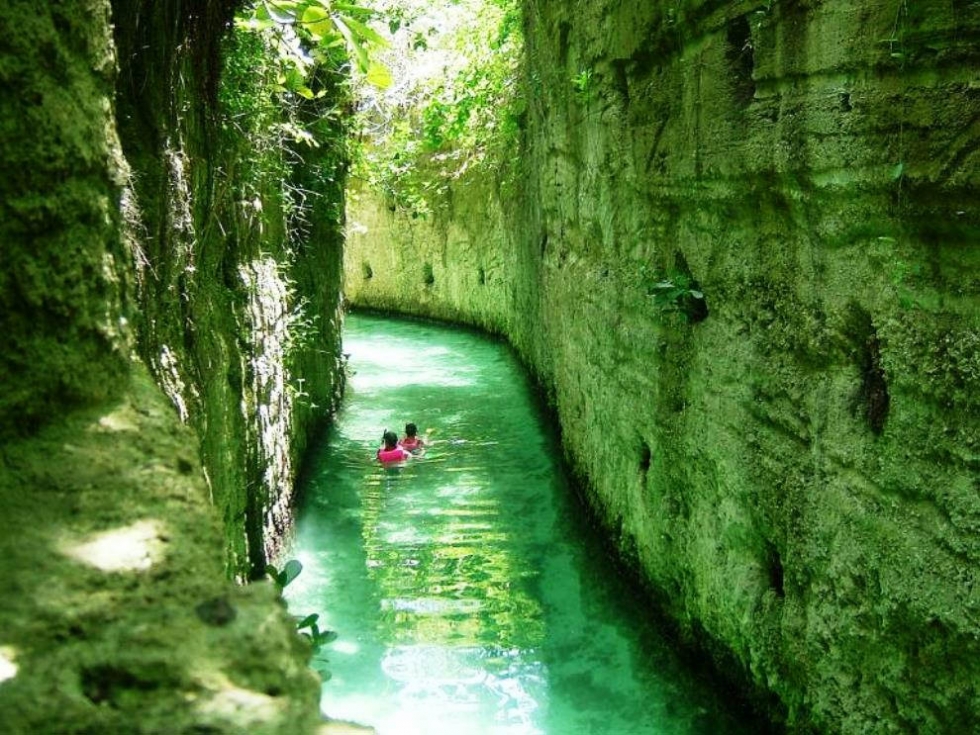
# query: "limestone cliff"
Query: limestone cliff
{"points": [[237, 254], [125, 234], [743, 259]]}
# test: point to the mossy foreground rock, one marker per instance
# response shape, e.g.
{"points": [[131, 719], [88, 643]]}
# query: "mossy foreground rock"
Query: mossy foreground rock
{"points": [[744, 263], [117, 617]]}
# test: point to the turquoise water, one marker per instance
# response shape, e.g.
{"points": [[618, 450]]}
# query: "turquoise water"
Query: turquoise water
{"points": [[468, 595]]}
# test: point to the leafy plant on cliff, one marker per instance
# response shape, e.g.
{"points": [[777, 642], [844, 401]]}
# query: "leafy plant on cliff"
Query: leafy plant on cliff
{"points": [[309, 627], [308, 33], [583, 85], [261, 117], [679, 292], [283, 95], [283, 577], [455, 105], [306, 625]]}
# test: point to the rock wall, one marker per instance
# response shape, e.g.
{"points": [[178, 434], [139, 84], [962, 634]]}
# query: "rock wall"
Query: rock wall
{"points": [[128, 497], [118, 615], [742, 258], [237, 279], [62, 309]]}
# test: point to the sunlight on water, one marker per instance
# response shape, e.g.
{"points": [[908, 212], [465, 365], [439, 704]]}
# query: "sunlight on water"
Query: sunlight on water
{"points": [[467, 593], [411, 366]]}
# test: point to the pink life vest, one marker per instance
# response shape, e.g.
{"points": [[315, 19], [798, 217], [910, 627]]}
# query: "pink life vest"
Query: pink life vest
{"points": [[393, 455], [411, 443]]}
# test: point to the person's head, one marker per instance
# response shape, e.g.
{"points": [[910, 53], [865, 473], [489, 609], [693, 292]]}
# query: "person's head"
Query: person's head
{"points": [[411, 430], [390, 439]]}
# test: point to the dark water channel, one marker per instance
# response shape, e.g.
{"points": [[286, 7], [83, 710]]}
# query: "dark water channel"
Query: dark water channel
{"points": [[469, 596]]}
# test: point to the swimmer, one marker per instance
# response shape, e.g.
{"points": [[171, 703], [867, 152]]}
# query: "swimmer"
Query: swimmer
{"points": [[411, 441], [391, 452]]}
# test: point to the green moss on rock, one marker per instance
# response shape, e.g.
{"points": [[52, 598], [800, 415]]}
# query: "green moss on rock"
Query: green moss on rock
{"points": [[118, 616], [121, 522], [795, 475], [61, 309]]}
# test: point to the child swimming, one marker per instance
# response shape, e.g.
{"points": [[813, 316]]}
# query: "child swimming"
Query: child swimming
{"points": [[391, 452], [411, 441]]}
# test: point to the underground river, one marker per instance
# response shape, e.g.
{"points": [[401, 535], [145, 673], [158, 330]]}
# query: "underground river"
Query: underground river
{"points": [[468, 594]]}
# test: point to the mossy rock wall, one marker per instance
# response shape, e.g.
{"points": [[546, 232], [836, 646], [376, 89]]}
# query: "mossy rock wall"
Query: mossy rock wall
{"points": [[238, 292], [119, 616], [454, 264], [128, 496], [64, 268], [792, 461]]}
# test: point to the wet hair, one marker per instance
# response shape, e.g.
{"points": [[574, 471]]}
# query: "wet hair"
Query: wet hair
{"points": [[390, 439], [411, 429]]}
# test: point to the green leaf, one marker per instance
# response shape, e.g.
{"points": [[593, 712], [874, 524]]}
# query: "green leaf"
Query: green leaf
{"points": [[291, 571], [353, 43], [293, 79], [281, 11], [308, 621], [378, 75], [365, 32], [255, 24], [318, 22], [351, 9], [314, 13], [897, 171]]}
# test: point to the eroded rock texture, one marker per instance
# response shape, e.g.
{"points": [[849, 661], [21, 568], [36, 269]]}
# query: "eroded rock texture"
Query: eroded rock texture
{"points": [[792, 458], [237, 250], [126, 502]]}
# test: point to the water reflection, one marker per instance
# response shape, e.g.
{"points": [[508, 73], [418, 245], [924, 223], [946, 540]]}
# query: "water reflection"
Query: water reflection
{"points": [[455, 619], [464, 598]]}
